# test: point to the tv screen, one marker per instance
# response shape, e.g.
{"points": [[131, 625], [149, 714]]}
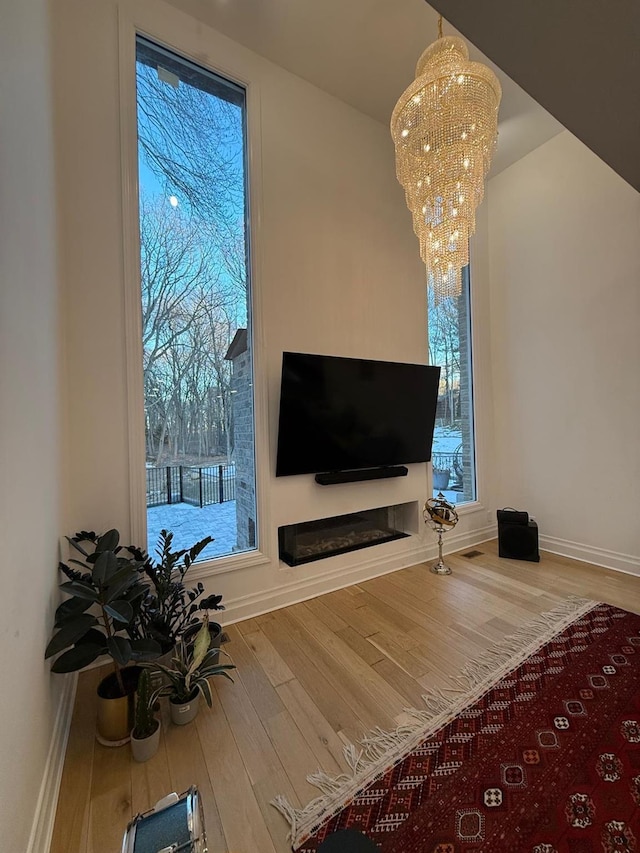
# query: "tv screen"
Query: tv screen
{"points": [[340, 414]]}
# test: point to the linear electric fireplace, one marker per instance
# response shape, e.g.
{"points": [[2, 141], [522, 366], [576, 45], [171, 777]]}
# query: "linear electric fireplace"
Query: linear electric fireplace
{"points": [[326, 537]]}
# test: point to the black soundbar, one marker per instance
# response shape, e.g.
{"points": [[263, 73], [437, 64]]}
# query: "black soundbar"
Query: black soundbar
{"points": [[330, 478]]}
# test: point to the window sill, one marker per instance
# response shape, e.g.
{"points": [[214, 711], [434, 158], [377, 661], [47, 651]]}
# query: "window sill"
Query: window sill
{"points": [[469, 507], [231, 563]]}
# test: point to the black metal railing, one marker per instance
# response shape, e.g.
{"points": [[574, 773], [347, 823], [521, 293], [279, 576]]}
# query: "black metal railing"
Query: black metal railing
{"points": [[191, 484], [447, 461], [164, 485], [451, 465]]}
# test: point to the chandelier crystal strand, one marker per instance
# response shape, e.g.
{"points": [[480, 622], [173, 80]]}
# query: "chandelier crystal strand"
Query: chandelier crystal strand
{"points": [[444, 129]]}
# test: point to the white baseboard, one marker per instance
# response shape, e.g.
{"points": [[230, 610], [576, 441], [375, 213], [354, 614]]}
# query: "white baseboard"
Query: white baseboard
{"points": [[472, 537], [45, 814], [294, 592], [626, 563]]}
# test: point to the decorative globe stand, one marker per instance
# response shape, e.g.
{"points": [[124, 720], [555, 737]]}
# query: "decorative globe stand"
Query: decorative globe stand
{"points": [[439, 514]]}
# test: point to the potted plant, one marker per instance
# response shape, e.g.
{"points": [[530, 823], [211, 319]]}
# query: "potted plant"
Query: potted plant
{"points": [[170, 609], [188, 677], [145, 735], [96, 620], [441, 478]]}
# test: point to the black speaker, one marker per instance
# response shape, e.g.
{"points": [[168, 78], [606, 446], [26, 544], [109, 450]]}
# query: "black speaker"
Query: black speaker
{"points": [[517, 536], [330, 478]]}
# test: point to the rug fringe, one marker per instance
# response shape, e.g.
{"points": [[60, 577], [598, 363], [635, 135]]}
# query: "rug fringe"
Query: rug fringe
{"points": [[380, 749]]}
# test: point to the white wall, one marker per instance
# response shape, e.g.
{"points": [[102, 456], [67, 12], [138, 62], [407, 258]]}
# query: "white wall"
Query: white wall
{"points": [[337, 271], [29, 410], [565, 297]]}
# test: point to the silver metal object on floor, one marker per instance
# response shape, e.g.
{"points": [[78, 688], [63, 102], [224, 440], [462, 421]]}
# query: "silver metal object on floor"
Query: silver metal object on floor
{"points": [[440, 568], [174, 825], [441, 515]]}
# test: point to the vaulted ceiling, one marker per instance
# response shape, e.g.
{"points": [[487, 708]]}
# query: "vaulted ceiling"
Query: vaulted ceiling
{"points": [[575, 63], [579, 59], [365, 52]]}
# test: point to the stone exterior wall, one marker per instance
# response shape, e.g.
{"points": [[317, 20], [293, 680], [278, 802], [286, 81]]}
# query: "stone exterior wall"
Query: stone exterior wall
{"points": [[466, 390], [244, 450]]}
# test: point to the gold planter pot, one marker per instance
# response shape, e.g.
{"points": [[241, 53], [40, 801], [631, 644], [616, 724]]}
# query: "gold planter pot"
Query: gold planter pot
{"points": [[115, 713]]}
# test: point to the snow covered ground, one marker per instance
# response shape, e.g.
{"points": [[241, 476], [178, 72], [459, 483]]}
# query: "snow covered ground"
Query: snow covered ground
{"points": [[190, 524], [446, 440]]}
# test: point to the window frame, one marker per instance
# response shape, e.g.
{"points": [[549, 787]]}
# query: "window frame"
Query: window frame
{"points": [[479, 363], [186, 37]]}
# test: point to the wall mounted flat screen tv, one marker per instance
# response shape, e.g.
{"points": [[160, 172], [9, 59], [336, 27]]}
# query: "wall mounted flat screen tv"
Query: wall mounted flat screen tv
{"points": [[340, 414]]}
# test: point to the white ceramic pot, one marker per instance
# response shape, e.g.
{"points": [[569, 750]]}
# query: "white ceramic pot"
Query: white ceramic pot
{"points": [[183, 713], [441, 479], [145, 748]]}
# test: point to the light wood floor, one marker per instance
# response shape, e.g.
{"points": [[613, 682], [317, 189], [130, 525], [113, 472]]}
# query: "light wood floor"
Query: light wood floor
{"points": [[311, 678]]}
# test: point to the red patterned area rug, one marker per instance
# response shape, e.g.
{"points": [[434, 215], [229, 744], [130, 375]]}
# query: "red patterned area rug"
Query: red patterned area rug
{"points": [[540, 752]]}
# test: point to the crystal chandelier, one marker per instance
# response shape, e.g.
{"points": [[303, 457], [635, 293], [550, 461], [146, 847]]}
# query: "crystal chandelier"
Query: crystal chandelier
{"points": [[444, 129]]}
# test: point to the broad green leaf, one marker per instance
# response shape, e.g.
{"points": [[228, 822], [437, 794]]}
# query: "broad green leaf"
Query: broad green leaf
{"points": [[113, 567], [120, 610], [145, 649], [95, 637], [115, 590], [120, 649], [108, 541], [77, 658], [100, 568], [135, 594], [80, 590], [123, 571], [70, 633], [70, 609]]}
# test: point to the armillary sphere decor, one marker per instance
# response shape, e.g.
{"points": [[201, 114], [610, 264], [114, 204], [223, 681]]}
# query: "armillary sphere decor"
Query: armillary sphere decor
{"points": [[444, 129], [439, 514]]}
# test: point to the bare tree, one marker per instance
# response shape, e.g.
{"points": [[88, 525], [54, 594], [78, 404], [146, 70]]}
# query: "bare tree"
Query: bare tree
{"points": [[191, 142], [444, 349], [193, 263]]}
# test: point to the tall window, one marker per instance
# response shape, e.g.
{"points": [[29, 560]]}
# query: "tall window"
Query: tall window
{"points": [[453, 456], [196, 324]]}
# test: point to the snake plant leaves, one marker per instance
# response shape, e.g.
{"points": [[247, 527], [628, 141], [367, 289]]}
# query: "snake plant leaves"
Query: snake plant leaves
{"points": [[205, 688], [77, 657], [70, 633]]}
